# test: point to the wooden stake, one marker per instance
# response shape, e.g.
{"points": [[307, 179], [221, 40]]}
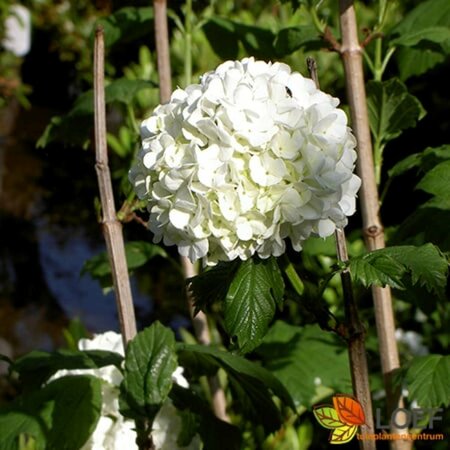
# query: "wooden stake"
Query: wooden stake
{"points": [[355, 328], [112, 228], [351, 53]]}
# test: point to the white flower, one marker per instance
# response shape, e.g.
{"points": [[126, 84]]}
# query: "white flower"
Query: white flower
{"points": [[251, 156], [17, 37], [413, 341], [113, 431]]}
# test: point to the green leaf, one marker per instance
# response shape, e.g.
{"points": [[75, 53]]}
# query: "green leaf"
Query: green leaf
{"points": [[437, 180], [127, 24], [424, 161], [427, 52], [137, 254], [253, 385], [378, 269], [60, 416], [415, 62], [433, 34], [424, 266], [327, 416], [391, 109], [76, 404], [212, 285], [426, 224], [224, 36], [149, 364], [311, 363], [250, 304], [67, 129], [36, 367], [288, 40], [215, 433], [427, 380], [14, 423]]}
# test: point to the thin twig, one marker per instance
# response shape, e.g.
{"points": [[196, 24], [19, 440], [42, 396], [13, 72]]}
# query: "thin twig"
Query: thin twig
{"points": [[351, 53], [112, 228], [199, 321], [355, 328]]}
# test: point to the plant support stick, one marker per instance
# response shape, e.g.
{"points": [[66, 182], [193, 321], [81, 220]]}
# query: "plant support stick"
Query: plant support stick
{"points": [[112, 228], [199, 321], [356, 332], [351, 54]]}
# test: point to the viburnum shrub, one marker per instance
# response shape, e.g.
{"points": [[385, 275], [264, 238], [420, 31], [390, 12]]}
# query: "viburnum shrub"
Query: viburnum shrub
{"points": [[250, 156]]}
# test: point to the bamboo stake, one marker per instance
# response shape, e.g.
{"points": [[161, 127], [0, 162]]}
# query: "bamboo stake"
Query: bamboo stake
{"points": [[351, 53], [162, 49], [355, 328], [112, 228], [199, 321]]}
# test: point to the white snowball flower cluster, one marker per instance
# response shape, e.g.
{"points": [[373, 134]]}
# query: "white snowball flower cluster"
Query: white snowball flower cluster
{"points": [[252, 155], [113, 431]]}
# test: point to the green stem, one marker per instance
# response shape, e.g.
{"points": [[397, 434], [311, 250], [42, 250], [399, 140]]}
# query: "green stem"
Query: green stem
{"points": [[188, 43], [377, 72], [378, 160], [320, 26], [132, 118], [292, 275]]}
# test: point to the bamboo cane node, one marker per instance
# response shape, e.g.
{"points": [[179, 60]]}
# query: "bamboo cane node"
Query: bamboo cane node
{"points": [[373, 231], [101, 166], [350, 50]]}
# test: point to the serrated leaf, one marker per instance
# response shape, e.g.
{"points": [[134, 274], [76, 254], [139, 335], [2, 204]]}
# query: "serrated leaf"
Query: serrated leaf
{"points": [[251, 300], [327, 416], [437, 180], [126, 25], [391, 109], [427, 379], [377, 269], [150, 361], [343, 434], [425, 266], [36, 367], [308, 354], [349, 410]]}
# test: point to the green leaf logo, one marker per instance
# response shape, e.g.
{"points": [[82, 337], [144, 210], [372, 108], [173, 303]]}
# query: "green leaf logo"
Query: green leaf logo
{"points": [[343, 419], [327, 416]]}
